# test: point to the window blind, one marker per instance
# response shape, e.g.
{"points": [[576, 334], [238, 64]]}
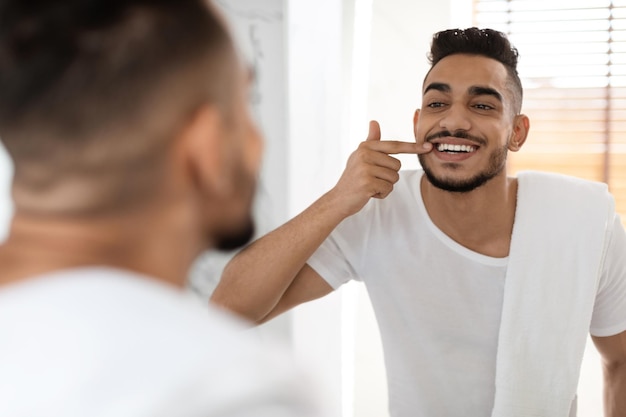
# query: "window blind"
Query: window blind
{"points": [[573, 69]]}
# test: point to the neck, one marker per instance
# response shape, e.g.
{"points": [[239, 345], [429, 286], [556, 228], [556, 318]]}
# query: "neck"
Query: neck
{"points": [[152, 242], [481, 220]]}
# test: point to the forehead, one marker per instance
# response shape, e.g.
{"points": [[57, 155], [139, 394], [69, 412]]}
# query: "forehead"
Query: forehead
{"points": [[461, 71]]}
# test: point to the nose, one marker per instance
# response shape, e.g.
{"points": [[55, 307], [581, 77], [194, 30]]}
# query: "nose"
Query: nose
{"points": [[455, 118]]}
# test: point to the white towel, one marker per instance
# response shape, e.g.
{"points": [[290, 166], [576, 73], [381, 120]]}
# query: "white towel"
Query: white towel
{"points": [[557, 250]]}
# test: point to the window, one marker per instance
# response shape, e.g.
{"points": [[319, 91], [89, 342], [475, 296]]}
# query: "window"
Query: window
{"points": [[573, 68]]}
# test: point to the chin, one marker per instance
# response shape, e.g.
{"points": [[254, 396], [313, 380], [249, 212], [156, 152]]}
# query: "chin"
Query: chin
{"points": [[233, 221], [459, 182], [465, 185], [235, 238]]}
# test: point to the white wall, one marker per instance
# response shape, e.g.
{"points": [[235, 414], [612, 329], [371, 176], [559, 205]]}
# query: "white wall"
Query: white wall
{"points": [[318, 48]]}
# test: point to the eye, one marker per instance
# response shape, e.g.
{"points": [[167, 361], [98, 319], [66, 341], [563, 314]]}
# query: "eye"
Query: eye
{"points": [[436, 105], [481, 106]]}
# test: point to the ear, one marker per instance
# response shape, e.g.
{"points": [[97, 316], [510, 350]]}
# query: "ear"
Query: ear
{"points": [[416, 116], [202, 144], [521, 126]]}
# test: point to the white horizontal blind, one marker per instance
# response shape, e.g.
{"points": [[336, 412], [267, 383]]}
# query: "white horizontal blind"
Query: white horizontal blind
{"points": [[573, 68]]}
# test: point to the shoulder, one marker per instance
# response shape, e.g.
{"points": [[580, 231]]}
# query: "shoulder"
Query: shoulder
{"points": [[559, 182], [145, 337], [565, 192], [581, 211]]}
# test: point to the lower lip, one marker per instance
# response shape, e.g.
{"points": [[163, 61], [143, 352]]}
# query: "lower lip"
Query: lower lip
{"points": [[454, 157]]}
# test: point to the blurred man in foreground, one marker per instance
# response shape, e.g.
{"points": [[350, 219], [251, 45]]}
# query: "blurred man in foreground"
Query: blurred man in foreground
{"points": [[133, 148]]}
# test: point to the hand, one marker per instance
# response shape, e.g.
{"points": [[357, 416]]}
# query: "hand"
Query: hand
{"points": [[371, 171]]}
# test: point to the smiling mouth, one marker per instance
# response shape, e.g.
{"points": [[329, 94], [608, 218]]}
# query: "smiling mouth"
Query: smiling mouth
{"points": [[453, 149]]}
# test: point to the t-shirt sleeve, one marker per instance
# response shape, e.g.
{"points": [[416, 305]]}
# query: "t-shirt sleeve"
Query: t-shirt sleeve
{"points": [[336, 258], [609, 314]]}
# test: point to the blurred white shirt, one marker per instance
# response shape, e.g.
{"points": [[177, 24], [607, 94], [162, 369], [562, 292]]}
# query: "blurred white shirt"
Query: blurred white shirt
{"points": [[102, 342]]}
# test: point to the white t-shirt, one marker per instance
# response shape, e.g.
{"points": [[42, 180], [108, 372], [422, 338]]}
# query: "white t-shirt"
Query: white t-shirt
{"points": [[100, 342], [438, 304]]}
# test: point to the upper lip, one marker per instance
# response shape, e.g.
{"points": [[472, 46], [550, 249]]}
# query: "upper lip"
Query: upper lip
{"points": [[454, 141]]}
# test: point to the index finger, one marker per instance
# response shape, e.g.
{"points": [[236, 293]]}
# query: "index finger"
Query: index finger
{"points": [[394, 147]]}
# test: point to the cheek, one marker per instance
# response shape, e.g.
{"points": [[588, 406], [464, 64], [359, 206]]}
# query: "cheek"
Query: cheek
{"points": [[420, 132], [425, 125]]}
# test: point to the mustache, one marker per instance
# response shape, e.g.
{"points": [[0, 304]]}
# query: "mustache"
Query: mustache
{"points": [[461, 134]]}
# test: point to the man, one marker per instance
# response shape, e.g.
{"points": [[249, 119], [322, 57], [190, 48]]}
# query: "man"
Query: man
{"points": [[484, 286], [133, 148]]}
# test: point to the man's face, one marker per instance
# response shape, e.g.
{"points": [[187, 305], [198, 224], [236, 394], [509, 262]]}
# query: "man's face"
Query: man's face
{"points": [[243, 160], [467, 115]]}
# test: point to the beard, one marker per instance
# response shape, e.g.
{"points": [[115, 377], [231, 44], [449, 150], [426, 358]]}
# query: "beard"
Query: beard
{"points": [[497, 163], [236, 239], [237, 226]]}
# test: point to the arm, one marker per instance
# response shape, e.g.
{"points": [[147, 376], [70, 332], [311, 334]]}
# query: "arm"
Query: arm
{"points": [[613, 351], [271, 276]]}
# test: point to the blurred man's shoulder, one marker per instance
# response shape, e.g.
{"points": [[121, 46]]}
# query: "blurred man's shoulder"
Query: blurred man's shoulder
{"points": [[113, 336]]}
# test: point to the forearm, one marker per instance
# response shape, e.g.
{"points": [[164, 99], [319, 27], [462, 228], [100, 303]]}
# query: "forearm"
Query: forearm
{"points": [[615, 390], [254, 281]]}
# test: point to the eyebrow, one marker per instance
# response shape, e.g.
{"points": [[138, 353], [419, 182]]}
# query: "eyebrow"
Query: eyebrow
{"points": [[485, 91], [473, 91], [444, 88]]}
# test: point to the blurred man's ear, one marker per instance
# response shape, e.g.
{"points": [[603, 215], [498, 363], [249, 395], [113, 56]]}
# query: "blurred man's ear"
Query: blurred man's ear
{"points": [[203, 143]]}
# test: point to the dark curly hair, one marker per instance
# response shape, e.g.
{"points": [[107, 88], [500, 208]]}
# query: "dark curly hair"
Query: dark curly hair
{"points": [[485, 42]]}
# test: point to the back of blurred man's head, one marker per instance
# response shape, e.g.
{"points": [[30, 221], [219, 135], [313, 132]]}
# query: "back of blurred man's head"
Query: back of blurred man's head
{"points": [[93, 93]]}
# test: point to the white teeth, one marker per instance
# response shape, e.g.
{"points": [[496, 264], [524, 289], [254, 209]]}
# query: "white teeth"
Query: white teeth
{"points": [[443, 147]]}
